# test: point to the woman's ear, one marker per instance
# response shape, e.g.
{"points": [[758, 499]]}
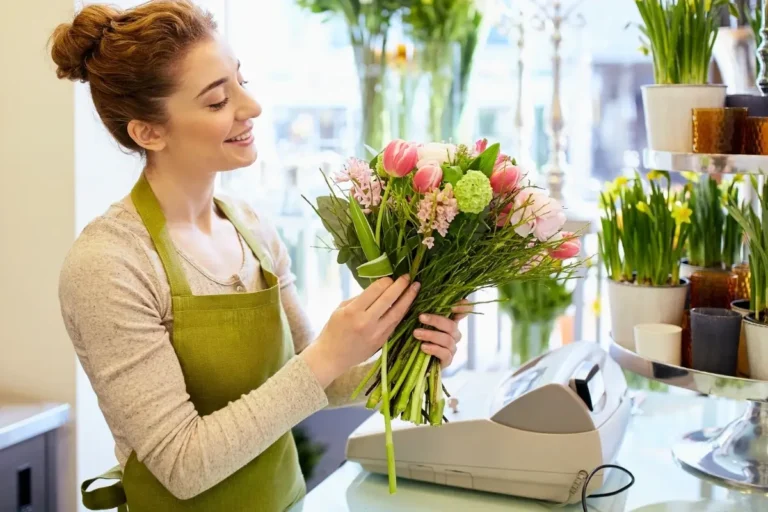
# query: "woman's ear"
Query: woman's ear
{"points": [[148, 136]]}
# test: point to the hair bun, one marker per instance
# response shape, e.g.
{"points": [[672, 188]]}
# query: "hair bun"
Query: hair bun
{"points": [[74, 42]]}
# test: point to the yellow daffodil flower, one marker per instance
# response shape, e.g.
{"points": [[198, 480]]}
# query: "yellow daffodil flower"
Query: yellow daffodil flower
{"points": [[690, 176], [619, 221], [681, 213], [655, 175], [643, 207], [620, 182], [596, 307], [738, 178]]}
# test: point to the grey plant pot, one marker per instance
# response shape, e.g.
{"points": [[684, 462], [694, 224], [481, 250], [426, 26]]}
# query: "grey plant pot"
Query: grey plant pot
{"points": [[715, 336], [756, 105]]}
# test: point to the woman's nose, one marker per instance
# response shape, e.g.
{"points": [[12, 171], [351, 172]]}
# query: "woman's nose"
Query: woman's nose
{"points": [[249, 108]]}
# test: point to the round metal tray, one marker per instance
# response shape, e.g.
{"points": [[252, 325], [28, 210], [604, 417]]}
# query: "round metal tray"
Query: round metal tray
{"points": [[705, 163], [735, 455]]}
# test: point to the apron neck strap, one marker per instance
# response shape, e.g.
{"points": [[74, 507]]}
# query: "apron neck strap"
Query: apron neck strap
{"points": [[151, 214], [264, 260]]}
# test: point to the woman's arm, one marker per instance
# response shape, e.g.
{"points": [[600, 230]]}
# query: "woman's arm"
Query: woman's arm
{"points": [[112, 310], [340, 390]]}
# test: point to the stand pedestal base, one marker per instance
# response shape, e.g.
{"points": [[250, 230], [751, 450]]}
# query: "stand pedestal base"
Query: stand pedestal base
{"points": [[732, 456]]}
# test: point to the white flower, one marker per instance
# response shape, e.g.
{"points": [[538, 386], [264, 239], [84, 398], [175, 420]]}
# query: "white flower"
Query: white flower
{"points": [[435, 153]]}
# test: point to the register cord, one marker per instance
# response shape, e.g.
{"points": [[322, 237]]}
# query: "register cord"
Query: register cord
{"points": [[583, 478]]}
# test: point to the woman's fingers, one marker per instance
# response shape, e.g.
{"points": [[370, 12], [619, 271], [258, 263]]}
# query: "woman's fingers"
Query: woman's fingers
{"points": [[442, 324], [462, 310], [363, 301], [387, 299], [440, 338], [398, 310], [443, 354]]}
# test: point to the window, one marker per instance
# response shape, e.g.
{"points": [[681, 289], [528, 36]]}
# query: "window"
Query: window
{"points": [[308, 87]]}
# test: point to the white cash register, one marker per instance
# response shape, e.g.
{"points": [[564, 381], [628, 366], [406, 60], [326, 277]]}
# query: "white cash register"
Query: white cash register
{"points": [[535, 432]]}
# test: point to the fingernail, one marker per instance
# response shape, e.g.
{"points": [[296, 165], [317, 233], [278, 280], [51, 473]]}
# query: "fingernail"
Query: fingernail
{"points": [[416, 285], [423, 318], [417, 333], [406, 277]]}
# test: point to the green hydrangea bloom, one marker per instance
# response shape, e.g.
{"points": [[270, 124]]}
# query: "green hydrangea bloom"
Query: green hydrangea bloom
{"points": [[380, 167], [473, 192]]}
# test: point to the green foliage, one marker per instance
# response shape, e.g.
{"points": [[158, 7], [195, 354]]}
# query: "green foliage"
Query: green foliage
{"points": [[714, 236], [644, 231], [535, 301], [680, 35]]}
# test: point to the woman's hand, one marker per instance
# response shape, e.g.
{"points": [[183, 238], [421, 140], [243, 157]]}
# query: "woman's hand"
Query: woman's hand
{"points": [[359, 327], [441, 341]]}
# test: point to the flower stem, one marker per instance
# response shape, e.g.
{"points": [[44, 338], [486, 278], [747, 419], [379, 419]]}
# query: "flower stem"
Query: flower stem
{"points": [[387, 423], [382, 208], [419, 257]]}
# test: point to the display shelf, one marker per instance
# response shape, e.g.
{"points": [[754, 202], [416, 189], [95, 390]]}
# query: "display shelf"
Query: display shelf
{"points": [[733, 456], [705, 163]]}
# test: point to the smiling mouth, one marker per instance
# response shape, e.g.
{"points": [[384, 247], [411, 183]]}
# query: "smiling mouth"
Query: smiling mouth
{"points": [[241, 137]]}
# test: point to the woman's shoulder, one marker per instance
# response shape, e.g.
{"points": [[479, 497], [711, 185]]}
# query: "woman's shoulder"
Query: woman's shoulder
{"points": [[111, 245]]}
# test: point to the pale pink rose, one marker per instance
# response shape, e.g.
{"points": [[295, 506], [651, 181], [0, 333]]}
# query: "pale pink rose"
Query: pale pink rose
{"points": [[480, 146], [549, 219], [505, 177], [435, 153], [427, 178], [399, 158], [570, 248], [522, 218]]}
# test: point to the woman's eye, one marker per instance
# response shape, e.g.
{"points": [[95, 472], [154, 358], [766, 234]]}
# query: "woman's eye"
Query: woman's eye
{"points": [[220, 105], [243, 83]]}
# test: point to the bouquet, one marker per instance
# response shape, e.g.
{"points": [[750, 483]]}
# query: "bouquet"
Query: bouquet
{"points": [[457, 219]]}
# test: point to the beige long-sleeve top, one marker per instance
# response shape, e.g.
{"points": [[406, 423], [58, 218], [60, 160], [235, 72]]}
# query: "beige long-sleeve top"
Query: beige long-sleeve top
{"points": [[116, 305]]}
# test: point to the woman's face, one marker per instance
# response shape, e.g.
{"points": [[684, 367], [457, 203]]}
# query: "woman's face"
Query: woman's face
{"points": [[210, 114]]}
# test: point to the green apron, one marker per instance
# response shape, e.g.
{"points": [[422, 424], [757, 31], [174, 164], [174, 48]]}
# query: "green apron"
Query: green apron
{"points": [[227, 345]]}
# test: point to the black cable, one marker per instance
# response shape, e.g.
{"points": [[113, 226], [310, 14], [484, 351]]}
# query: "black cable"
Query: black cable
{"points": [[607, 494]]}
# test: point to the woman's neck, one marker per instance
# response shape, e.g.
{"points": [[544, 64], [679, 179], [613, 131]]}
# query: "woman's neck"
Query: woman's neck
{"points": [[185, 198]]}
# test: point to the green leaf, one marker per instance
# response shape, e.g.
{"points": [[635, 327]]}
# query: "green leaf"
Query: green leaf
{"points": [[379, 267], [344, 256], [364, 231], [332, 212], [486, 160], [452, 174]]}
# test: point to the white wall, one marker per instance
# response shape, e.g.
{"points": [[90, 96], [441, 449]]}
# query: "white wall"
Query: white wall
{"points": [[60, 169]]}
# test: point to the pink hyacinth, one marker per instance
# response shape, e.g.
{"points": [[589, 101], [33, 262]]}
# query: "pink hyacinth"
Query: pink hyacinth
{"points": [[436, 211], [366, 187]]}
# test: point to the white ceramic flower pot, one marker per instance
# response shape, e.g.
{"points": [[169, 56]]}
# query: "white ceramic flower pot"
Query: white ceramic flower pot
{"points": [[668, 113], [757, 348], [741, 306], [632, 305]]}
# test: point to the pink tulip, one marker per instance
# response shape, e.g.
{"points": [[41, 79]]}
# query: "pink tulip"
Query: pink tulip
{"points": [[400, 158], [427, 178], [481, 146], [505, 177], [570, 248]]}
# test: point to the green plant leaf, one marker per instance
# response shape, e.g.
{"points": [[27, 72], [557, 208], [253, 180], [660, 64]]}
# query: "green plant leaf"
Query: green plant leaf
{"points": [[379, 267], [486, 160], [452, 174], [344, 256], [364, 231]]}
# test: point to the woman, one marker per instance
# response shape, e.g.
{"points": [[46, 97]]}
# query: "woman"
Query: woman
{"points": [[182, 307]]}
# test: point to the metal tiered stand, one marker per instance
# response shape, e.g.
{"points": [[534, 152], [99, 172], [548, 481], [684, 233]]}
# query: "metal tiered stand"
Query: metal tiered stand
{"points": [[735, 455]]}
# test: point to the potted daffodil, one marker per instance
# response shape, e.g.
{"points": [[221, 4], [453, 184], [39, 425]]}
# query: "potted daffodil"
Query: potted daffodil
{"points": [[679, 35], [644, 228]]}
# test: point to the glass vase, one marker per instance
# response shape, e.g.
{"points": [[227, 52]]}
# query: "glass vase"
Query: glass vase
{"points": [[742, 287], [370, 61], [530, 338], [713, 288], [438, 64]]}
